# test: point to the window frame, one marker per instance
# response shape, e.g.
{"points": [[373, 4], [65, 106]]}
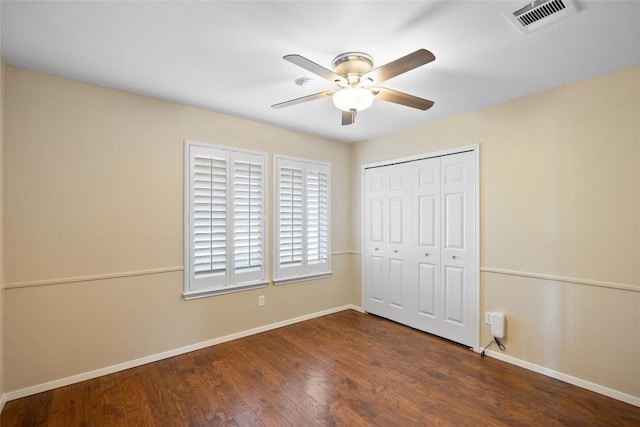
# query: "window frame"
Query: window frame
{"points": [[228, 281], [305, 271]]}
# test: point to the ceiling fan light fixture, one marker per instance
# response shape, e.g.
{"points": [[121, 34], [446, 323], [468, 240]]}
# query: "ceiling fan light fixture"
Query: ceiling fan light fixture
{"points": [[353, 76], [353, 98]]}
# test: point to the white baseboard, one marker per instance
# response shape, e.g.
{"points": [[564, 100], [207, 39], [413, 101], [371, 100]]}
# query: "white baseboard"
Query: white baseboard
{"points": [[3, 400], [356, 308], [164, 355], [615, 394]]}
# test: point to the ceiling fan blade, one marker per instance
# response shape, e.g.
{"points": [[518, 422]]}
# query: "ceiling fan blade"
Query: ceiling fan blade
{"points": [[399, 66], [402, 98], [348, 117], [302, 99], [319, 70]]}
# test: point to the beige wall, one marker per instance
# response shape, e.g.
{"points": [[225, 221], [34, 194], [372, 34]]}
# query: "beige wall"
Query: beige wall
{"points": [[559, 196], [94, 186]]}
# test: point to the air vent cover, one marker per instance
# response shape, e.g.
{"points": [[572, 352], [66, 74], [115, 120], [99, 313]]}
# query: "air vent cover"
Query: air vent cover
{"points": [[540, 13]]}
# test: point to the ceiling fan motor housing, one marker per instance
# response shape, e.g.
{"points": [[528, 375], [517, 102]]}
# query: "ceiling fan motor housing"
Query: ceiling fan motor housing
{"points": [[352, 64]]}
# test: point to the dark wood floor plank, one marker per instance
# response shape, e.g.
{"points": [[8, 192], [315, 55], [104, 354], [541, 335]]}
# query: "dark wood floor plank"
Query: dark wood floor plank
{"points": [[296, 384], [164, 405], [343, 369], [212, 406], [212, 367], [313, 377], [31, 411], [195, 404], [261, 391], [332, 381]]}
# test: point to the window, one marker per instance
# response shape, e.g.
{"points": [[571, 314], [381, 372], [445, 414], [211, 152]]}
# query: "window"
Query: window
{"points": [[224, 220], [302, 220]]}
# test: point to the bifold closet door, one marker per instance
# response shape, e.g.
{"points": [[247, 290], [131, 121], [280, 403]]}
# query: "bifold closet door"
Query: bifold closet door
{"points": [[387, 242], [419, 254], [458, 255], [425, 218]]}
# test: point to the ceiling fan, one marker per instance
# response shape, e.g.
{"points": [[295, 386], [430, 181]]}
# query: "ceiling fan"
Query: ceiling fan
{"points": [[356, 81]]}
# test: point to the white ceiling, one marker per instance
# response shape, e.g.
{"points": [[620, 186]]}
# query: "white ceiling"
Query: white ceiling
{"points": [[227, 56]]}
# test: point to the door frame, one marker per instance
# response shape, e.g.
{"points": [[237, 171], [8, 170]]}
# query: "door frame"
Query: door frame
{"points": [[475, 148]]}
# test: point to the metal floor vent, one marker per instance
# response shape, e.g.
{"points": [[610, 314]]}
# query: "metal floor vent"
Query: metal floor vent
{"points": [[540, 13]]}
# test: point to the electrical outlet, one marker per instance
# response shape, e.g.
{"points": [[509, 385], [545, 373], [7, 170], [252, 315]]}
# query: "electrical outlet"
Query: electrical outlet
{"points": [[260, 300], [488, 317]]}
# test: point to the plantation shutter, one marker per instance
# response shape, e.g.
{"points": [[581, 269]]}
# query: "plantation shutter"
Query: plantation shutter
{"points": [[290, 217], [209, 221], [317, 217], [303, 220], [248, 211], [224, 194]]}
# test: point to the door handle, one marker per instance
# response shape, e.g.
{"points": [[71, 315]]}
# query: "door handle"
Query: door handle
{"points": [[454, 257], [395, 251], [426, 254]]}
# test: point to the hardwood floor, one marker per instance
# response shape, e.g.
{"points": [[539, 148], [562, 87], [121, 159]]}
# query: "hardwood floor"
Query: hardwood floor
{"points": [[346, 369]]}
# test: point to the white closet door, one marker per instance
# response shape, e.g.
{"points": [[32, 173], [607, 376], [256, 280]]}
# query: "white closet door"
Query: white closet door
{"points": [[399, 248], [375, 219], [386, 212], [419, 255], [425, 220], [459, 317]]}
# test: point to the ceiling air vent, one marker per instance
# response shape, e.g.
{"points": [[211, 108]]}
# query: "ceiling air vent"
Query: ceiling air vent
{"points": [[540, 13]]}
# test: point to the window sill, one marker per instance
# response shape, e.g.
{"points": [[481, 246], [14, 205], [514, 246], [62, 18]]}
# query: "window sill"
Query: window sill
{"points": [[221, 291], [284, 281]]}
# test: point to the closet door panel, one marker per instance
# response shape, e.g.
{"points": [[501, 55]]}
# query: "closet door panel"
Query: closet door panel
{"points": [[396, 220], [428, 221], [459, 321], [397, 281], [399, 248], [454, 306], [376, 226], [427, 286], [454, 228], [376, 278], [428, 231], [425, 221], [376, 292]]}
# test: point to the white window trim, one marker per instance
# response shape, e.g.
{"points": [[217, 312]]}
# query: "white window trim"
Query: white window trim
{"points": [[307, 272], [304, 278], [228, 287]]}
